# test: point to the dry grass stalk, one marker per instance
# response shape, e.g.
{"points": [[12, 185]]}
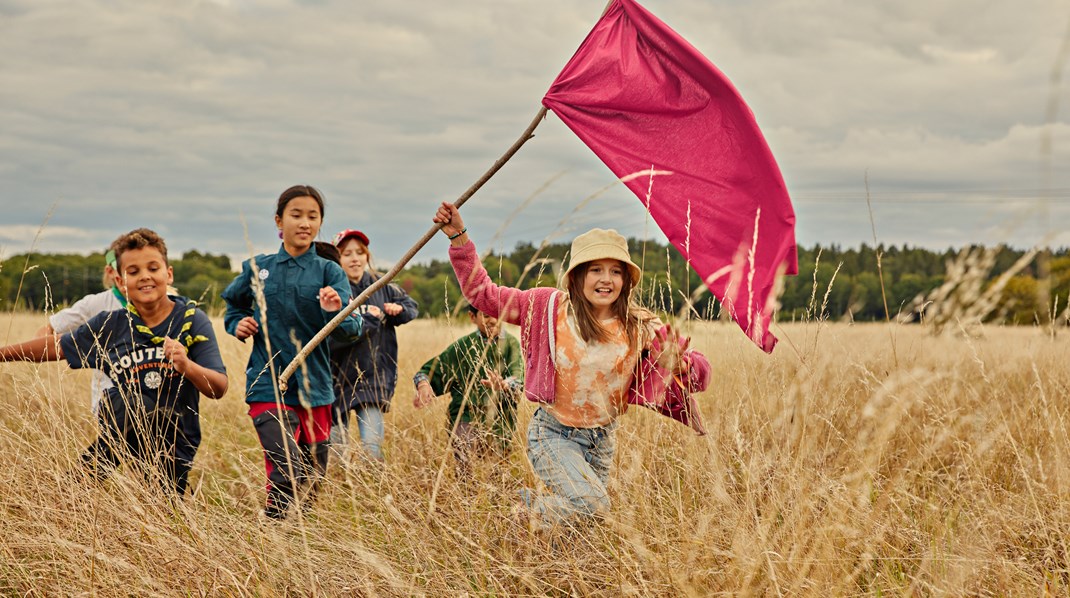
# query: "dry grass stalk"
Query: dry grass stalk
{"points": [[965, 300]]}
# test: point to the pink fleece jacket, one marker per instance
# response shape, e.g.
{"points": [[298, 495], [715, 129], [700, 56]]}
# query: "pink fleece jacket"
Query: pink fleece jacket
{"points": [[533, 310]]}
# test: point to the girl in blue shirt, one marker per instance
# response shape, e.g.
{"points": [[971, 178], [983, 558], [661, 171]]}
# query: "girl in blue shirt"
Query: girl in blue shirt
{"points": [[281, 301]]}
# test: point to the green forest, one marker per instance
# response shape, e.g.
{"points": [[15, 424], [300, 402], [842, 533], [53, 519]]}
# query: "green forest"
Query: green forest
{"points": [[833, 282]]}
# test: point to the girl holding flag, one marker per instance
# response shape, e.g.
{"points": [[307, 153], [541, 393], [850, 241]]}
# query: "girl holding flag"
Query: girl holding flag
{"points": [[591, 351]]}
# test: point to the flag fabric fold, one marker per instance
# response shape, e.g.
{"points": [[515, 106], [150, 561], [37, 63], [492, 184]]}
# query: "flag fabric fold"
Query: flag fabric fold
{"points": [[674, 129]]}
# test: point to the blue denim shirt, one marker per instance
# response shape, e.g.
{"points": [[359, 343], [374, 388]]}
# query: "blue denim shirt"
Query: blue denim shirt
{"points": [[291, 287]]}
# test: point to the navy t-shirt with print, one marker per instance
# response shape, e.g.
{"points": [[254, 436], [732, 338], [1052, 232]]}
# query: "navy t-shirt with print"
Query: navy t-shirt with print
{"points": [[111, 343]]}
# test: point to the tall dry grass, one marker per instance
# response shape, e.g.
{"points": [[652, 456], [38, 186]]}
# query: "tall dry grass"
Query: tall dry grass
{"points": [[828, 470]]}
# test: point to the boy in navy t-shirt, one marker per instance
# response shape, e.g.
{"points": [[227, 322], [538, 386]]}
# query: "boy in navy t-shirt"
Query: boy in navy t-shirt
{"points": [[161, 355]]}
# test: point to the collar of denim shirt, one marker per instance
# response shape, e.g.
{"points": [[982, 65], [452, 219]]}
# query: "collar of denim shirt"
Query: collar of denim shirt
{"points": [[302, 260]]}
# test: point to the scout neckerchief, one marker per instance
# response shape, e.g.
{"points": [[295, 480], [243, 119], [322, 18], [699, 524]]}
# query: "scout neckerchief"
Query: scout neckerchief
{"points": [[119, 296], [184, 336]]}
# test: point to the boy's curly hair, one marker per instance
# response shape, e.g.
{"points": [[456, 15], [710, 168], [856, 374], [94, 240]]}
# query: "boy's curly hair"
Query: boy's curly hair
{"points": [[137, 239]]}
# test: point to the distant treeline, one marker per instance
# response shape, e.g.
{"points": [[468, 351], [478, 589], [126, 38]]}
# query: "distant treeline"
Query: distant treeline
{"points": [[846, 283], [55, 280]]}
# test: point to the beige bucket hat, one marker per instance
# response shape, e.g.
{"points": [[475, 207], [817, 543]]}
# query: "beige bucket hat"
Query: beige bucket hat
{"points": [[598, 244]]}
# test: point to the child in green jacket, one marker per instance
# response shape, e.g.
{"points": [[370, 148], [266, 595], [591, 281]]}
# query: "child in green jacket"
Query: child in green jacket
{"points": [[483, 374]]}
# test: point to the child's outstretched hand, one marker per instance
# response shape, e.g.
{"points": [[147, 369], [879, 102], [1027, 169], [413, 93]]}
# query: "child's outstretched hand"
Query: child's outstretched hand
{"points": [[424, 395], [329, 299], [669, 347], [450, 218], [175, 352], [392, 309], [247, 327], [495, 381]]}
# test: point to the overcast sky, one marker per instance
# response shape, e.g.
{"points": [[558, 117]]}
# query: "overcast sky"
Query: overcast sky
{"points": [[190, 117]]}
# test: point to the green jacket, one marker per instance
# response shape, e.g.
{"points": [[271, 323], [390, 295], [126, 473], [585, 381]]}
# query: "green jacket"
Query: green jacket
{"points": [[458, 371]]}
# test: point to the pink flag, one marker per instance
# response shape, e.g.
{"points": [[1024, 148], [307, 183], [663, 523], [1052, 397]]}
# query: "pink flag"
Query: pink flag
{"points": [[677, 132]]}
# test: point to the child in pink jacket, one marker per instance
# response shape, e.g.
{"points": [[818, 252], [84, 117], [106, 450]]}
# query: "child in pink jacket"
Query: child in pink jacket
{"points": [[590, 352]]}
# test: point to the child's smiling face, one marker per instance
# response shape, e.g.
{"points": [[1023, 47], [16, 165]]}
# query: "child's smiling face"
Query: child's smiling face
{"points": [[488, 325], [300, 223], [354, 259], [602, 285], [145, 275]]}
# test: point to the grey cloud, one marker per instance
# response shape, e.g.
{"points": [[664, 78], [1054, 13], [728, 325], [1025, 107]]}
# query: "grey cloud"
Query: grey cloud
{"points": [[206, 110]]}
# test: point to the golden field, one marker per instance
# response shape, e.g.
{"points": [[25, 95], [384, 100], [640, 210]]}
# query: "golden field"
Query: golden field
{"points": [[856, 460]]}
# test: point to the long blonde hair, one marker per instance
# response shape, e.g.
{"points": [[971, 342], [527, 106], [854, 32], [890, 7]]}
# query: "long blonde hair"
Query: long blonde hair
{"points": [[108, 278]]}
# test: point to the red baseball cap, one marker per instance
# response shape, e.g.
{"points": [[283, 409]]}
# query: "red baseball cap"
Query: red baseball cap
{"points": [[349, 233]]}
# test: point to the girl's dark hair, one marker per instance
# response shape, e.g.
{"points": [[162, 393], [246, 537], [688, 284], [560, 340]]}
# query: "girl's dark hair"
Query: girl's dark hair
{"points": [[299, 191], [328, 251]]}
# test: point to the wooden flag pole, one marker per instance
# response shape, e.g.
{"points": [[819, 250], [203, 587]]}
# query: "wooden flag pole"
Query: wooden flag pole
{"points": [[386, 278]]}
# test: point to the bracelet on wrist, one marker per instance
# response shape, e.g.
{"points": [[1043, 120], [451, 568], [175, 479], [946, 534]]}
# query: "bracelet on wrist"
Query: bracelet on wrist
{"points": [[461, 232]]}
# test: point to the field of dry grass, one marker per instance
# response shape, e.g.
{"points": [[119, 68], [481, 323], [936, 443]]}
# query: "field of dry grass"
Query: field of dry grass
{"points": [[856, 460]]}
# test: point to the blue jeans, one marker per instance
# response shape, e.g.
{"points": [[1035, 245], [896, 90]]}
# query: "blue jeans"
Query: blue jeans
{"points": [[574, 464], [369, 424]]}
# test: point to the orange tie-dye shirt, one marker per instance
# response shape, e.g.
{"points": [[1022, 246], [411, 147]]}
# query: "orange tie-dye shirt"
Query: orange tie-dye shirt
{"points": [[592, 379]]}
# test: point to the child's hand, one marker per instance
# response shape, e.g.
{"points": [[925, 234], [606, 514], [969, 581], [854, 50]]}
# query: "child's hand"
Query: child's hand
{"points": [[247, 327], [669, 348], [329, 299], [175, 352], [424, 395], [392, 309], [494, 381], [374, 311], [450, 218]]}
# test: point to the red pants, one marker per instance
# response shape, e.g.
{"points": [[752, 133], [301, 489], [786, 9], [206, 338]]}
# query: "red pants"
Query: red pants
{"points": [[295, 443]]}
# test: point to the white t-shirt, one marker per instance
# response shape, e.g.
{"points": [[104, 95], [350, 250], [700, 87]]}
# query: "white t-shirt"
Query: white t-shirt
{"points": [[69, 319]]}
